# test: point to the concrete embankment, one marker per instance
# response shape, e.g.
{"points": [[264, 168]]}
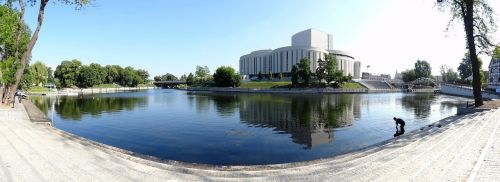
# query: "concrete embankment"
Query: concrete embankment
{"points": [[454, 149]]}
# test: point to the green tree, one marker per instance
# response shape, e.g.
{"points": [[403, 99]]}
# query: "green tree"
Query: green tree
{"points": [[50, 75], [321, 70], [226, 76], [100, 72], [39, 73], [14, 36], [295, 75], [422, 69], [409, 75], [169, 77], [465, 67], [157, 78], [259, 76], [27, 80], [448, 74], [190, 79], [202, 72], [280, 75], [67, 72], [331, 69], [270, 76], [183, 77], [88, 77], [144, 75], [496, 53], [112, 73], [26, 55], [305, 70], [479, 24], [129, 77]]}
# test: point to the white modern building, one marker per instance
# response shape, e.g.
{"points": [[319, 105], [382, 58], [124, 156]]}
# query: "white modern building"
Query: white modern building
{"points": [[312, 44]]}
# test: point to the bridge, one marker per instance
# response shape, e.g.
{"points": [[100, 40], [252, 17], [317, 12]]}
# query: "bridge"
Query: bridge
{"points": [[168, 84]]}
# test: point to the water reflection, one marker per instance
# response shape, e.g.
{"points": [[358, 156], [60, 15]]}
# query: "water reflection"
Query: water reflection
{"points": [[74, 108], [309, 119]]}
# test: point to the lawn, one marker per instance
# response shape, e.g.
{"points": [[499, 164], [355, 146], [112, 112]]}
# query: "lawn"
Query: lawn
{"points": [[268, 84], [351, 85], [38, 89], [107, 86]]}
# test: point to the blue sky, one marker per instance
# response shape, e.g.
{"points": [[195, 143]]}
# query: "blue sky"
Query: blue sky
{"points": [[174, 36]]}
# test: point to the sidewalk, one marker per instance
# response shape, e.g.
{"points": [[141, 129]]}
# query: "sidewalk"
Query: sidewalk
{"points": [[464, 147]]}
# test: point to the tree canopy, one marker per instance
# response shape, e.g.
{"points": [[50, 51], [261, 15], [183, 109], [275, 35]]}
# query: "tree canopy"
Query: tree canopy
{"points": [[226, 76]]}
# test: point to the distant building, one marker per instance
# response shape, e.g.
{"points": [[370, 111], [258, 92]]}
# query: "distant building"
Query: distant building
{"points": [[398, 76], [494, 74], [312, 44], [382, 77]]}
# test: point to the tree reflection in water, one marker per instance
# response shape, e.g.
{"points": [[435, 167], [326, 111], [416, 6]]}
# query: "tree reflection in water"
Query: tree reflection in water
{"points": [[74, 108]]}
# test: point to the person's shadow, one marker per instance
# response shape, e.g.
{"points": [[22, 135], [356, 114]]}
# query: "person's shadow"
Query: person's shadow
{"points": [[399, 132]]}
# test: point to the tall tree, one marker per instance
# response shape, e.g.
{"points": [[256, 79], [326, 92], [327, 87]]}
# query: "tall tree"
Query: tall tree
{"points": [[67, 72], [39, 73], [422, 69], [34, 37], [479, 24], [305, 70]]}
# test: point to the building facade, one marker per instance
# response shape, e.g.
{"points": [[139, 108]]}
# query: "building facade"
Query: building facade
{"points": [[494, 74], [310, 43]]}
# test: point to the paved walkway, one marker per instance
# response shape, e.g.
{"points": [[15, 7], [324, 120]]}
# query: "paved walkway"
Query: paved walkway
{"points": [[464, 147]]}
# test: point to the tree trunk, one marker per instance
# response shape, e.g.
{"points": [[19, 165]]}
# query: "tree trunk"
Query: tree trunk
{"points": [[469, 31], [24, 60]]}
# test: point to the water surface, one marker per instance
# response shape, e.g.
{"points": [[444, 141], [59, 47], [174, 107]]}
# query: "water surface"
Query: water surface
{"points": [[242, 129]]}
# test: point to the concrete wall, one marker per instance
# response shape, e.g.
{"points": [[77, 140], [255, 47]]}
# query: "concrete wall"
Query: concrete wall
{"points": [[463, 91]]}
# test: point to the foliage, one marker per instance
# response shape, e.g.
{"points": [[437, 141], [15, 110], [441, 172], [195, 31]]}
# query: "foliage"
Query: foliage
{"points": [[112, 73], [259, 77], [496, 53], [448, 74], [39, 72], [479, 24], [9, 62], [26, 80], [422, 69], [465, 67], [166, 77], [202, 72], [321, 70], [144, 75], [129, 77], [295, 75], [270, 76], [67, 72], [280, 75], [190, 79], [409, 75], [226, 76], [88, 77], [304, 71]]}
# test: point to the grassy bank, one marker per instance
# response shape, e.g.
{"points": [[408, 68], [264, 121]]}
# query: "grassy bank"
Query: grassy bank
{"points": [[268, 85], [264, 84]]}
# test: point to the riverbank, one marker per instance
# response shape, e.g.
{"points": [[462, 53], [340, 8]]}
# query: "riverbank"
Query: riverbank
{"points": [[68, 91], [455, 148], [303, 90]]}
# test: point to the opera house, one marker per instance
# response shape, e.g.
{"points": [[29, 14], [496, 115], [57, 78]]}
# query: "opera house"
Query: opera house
{"points": [[310, 43]]}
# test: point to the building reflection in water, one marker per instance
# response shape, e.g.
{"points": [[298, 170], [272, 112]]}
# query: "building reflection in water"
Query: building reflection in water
{"points": [[309, 119]]}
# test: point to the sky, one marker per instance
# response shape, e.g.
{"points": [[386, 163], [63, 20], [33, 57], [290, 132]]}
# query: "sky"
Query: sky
{"points": [[173, 36]]}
